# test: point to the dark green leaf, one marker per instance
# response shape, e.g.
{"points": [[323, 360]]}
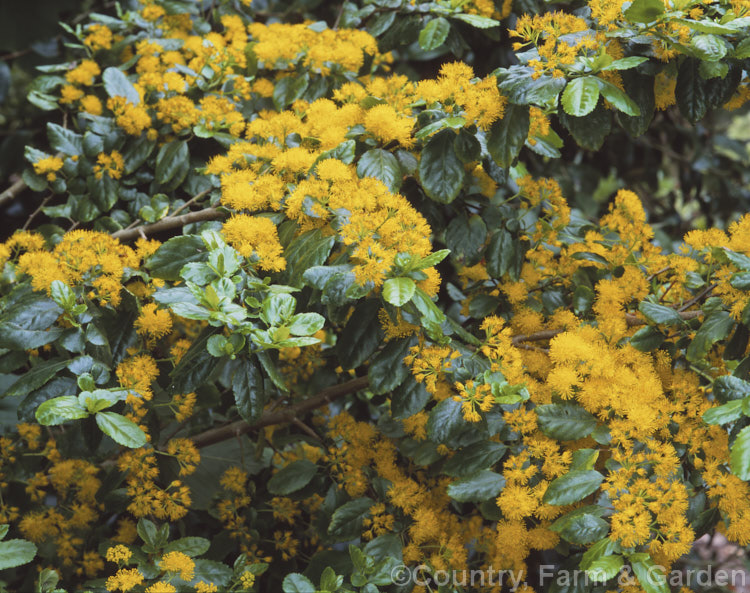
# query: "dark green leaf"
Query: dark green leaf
{"points": [[36, 377], [289, 89], [382, 165], [117, 85], [440, 170], [500, 254], [296, 583], [408, 398], [660, 314], [388, 370], [508, 135], [565, 422], [572, 487], [690, 91], [728, 388], [347, 520], [477, 487], [64, 140], [361, 335], [647, 339], [715, 327], [169, 259], [170, 159], [480, 456], [292, 477], [247, 385]]}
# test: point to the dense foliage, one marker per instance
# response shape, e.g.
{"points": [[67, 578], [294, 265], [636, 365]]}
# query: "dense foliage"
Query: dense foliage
{"points": [[299, 302]]}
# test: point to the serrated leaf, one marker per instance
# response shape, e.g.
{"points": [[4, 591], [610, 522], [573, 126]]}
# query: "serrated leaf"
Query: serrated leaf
{"points": [[434, 34], [382, 165], [121, 430], [725, 413], [580, 96], [660, 314], [347, 519], [477, 487], [618, 99], [297, 583], [739, 457], [398, 291], [292, 477], [603, 569], [565, 422], [16, 552], [117, 85], [572, 487], [644, 11], [247, 386], [649, 575], [440, 170], [508, 135]]}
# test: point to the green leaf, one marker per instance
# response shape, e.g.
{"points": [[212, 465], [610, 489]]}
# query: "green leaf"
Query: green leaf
{"points": [[500, 254], [477, 487], [710, 48], [36, 377], [306, 251], [508, 135], [247, 385], [347, 519], [590, 131], [565, 422], [440, 170], [398, 291], [649, 575], [465, 236], [618, 99], [16, 552], [644, 11], [604, 547], [167, 261], [690, 91], [727, 388], [408, 398], [60, 409], [472, 458], [740, 281], [117, 85], [475, 20], [387, 370], [581, 528], [660, 314], [739, 456], [292, 477], [715, 327], [121, 430], [191, 546], [626, 63], [296, 583], [28, 323], [580, 96], [361, 335], [306, 324], [289, 89], [724, 414], [433, 259], [647, 339], [64, 140], [434, 34], [169, 160], [572, 487], [603, 569], [382, 165]]}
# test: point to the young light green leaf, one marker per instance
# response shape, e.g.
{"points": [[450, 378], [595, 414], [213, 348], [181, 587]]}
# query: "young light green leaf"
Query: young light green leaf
{"points": [[398, 291], [580, 96], [122, 430], [434, 34], [60, 409]]}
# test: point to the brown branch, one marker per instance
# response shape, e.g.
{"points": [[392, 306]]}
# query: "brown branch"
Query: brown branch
{"points": [[13, 191], [170, 222], [289, 414], [634, 320]]}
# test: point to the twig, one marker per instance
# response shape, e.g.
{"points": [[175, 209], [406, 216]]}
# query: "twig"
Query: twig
{"points": [[338, 16], [634, 320], [545, 334], [192, 200], [170, 222], [32, 216], [217, 435], [13, 191], [697, 298]]}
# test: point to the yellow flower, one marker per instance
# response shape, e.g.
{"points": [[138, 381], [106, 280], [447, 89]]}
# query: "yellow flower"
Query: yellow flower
{"points": [[118, 554], [112, 164], [49, 165], [178, 562], [124, 580], [257, 237], [153, 323]]}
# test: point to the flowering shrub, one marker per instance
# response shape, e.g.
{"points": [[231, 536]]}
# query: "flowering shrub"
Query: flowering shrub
{"points": [[299, 321]]}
